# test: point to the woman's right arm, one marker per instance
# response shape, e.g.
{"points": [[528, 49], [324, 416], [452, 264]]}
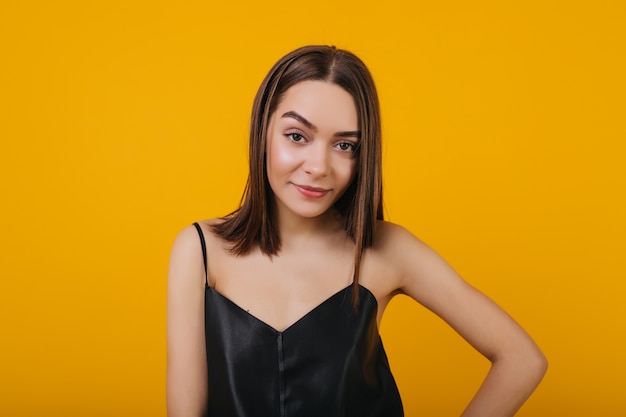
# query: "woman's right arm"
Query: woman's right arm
{"points": [[186, 389]]}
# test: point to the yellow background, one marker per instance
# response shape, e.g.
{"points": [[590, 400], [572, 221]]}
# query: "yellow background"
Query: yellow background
{"points": [[121, 122]]}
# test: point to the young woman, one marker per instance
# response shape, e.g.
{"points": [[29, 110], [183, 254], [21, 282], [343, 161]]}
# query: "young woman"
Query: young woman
{"points": [[274, 309]]}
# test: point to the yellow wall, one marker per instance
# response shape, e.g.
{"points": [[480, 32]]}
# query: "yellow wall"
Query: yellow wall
{"points": [[122, 122]]}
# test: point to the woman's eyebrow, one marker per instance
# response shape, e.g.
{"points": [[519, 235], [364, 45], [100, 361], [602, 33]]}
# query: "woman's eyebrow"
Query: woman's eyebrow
{"points": [[301, 119], [349, 134], [309, 125]]}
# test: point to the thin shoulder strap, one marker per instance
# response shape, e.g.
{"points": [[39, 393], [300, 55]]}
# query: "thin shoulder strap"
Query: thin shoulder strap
{"points": [[202, 242]]}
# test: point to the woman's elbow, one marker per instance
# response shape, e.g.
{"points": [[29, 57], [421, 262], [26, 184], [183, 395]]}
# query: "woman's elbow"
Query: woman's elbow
{"points": [[527, 362], [532, 365], [539, 364]]}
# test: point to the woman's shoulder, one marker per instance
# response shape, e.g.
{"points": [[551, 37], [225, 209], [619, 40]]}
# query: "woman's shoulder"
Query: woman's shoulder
{"points": [[195, 234], [381, 258], [190, 240], [208, 224], [189, 234], [385, 262], [391, 236], [395, 247], [421, 271]]}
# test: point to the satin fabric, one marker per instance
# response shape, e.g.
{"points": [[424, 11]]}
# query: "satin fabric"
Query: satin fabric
{"points": [[329, 363]]}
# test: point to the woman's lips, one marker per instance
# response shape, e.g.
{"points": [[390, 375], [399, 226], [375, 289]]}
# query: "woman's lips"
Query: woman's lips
{"points": [[311, 192]]}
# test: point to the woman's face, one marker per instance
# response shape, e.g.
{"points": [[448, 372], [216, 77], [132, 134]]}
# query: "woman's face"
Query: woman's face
{"points": [[311, 147]]}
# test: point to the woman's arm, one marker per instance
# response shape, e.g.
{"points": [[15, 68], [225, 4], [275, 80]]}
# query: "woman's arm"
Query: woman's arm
{"points": [[186, 390], [517, 364]]}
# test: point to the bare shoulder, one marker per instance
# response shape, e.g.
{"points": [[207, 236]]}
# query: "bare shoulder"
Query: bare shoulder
{"points": [[186, 257], [187, 241], [207, 227], [396, 245], [186, 254], [382, 270], [389, 235], [415, 265]]}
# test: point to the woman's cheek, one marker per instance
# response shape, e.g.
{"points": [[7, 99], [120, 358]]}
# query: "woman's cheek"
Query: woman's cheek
{"points": [[283, 157]]}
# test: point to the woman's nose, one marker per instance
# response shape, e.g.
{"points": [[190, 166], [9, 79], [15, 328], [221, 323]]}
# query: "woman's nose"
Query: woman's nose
{"points": [[317, 161]]}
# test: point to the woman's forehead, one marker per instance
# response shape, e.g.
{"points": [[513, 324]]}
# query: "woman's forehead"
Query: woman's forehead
{"points": [[319, 103]]}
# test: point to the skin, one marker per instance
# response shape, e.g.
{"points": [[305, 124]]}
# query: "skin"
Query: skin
{"points": [[310, 144]]}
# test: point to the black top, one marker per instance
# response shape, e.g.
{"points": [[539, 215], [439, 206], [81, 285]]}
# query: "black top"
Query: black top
{"points": [[330, 363]]}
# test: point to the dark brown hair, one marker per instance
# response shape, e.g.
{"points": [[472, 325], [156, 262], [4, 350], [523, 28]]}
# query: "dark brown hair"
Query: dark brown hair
{"points": [[361, 205]]}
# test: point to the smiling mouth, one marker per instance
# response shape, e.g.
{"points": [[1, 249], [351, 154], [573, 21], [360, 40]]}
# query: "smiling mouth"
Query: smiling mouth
{"points": [[311, 192]]}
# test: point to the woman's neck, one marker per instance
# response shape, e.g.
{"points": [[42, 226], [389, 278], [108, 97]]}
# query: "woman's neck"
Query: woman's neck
{"points": [[296, 230]]}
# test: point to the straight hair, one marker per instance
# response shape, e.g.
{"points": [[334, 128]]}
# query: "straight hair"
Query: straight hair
{"points": [[361, 206]]}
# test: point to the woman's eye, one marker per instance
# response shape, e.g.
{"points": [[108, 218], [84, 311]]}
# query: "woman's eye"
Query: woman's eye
{"points": [[296, 137], [346, 146]]}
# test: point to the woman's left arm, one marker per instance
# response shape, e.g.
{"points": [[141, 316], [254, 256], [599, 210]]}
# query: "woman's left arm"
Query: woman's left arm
{"points": [[517, 364]]}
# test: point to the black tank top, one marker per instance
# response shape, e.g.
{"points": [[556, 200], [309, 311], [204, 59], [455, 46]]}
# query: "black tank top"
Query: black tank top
{"points": [[329, 363]]}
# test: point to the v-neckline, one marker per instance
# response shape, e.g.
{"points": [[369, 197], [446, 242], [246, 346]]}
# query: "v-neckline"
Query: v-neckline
{"points": [[295, 323]]}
